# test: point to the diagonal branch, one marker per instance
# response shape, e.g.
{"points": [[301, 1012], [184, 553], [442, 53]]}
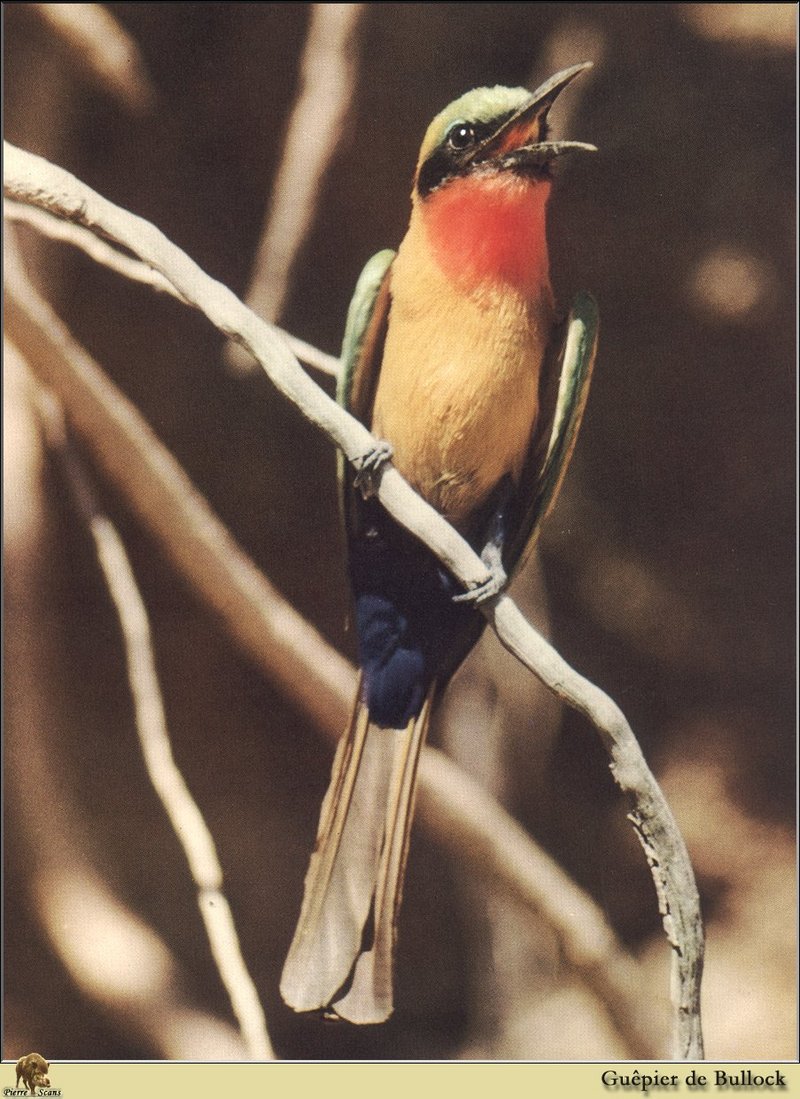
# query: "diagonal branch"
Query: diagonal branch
{"points": [[68, 232], [31, 179]]}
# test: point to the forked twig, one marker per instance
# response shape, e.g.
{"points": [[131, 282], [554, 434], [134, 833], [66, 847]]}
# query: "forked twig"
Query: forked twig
{"points": [[31, 179], [98, 249]]}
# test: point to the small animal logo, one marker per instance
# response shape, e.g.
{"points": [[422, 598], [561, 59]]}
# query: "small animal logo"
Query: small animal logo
{"points": [[32, 1070]]}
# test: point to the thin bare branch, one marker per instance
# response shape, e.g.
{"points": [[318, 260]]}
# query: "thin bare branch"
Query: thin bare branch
{"points": [[102, 252], [151, 726], [95, 247], [32, 179], [472, 825], [158, 490], [651, 817], [312, 356], [327, 85]]}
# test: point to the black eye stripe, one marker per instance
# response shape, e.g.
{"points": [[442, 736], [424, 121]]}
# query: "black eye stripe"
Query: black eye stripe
{"points": [[449, 159], [436, 168]]}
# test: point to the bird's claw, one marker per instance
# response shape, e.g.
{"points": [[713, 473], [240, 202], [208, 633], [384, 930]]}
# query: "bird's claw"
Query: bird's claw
{"points": [[489, 589], [369, 466]]}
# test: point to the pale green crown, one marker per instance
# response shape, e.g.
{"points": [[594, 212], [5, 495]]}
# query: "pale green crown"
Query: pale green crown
{"points": [[481, 105]]}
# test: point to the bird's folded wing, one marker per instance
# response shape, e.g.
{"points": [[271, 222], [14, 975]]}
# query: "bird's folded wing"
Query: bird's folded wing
{"points": [[572, 365]]}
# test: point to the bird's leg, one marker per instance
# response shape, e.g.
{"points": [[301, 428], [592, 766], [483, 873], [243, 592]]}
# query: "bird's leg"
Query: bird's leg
{"points": [[492, 551], [369, 466]]}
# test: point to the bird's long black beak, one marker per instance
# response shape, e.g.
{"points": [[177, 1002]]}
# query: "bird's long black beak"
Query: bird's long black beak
{"points": [[520, 139]]}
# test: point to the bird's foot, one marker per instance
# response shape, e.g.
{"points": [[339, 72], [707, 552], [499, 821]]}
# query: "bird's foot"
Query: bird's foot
{"points": [[490, 588], [369, 467]]}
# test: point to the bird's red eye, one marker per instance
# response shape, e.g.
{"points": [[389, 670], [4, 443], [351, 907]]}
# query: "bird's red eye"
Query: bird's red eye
{"points": [[460, 135]]}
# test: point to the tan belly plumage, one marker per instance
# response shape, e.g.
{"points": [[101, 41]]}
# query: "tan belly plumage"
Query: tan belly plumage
{"points": [[458, 390]]}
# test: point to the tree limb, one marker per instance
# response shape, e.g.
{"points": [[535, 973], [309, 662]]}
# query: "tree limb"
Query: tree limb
{"points": [[32, 179]]}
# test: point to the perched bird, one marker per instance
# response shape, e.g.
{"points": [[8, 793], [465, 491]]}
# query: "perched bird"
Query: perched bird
{"points": [[451, 354]]}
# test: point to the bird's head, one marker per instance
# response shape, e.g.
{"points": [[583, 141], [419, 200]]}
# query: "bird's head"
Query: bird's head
{"points": [[484, 174], [491, 130]]}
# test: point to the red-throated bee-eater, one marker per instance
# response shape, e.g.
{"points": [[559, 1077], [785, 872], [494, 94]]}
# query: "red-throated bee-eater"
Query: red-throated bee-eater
{"points": [[451, 354]]}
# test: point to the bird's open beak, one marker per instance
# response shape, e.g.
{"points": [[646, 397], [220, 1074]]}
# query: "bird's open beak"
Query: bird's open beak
{"points": [[517, 144]]}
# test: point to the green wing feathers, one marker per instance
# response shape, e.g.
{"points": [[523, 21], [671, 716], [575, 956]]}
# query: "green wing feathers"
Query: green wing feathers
{"points": [[552, 452], [362, 318], [360, 363]]}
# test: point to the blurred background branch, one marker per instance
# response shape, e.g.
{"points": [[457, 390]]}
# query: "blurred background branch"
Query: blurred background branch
{"points": [[314, 132], [101, 49], [115, 958], [168, 782]]}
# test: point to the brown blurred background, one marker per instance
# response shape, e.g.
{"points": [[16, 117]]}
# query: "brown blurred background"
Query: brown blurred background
{"points": [[668, 563]]}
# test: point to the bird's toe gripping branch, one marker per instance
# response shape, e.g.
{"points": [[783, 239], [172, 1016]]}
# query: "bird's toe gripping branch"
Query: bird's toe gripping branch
{"points": [[369, 467], [492, 558], [492, 553]]}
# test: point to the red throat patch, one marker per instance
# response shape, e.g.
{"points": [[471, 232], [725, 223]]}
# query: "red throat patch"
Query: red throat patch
{"points": [[490, 227]]}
